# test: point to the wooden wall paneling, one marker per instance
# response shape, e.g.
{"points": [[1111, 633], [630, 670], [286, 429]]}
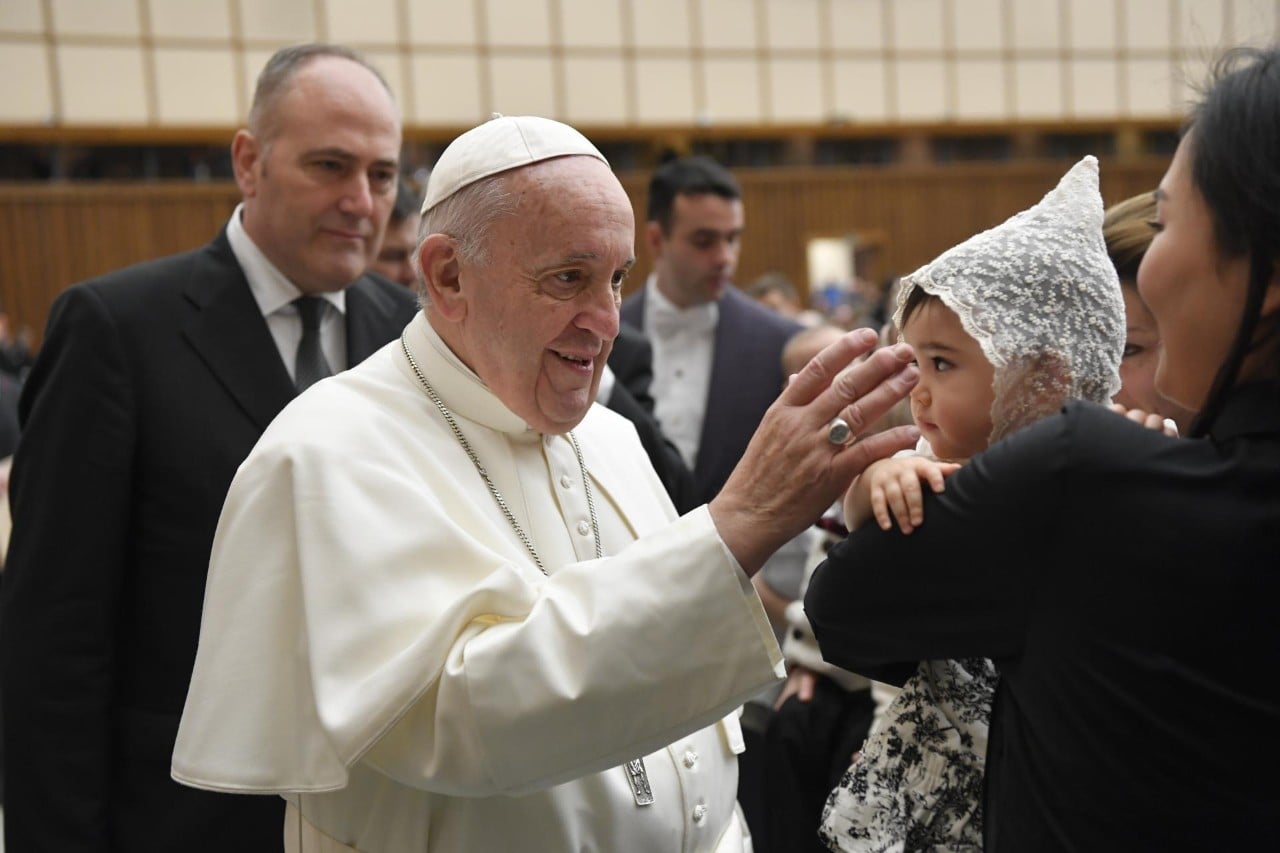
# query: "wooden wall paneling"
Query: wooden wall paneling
{"points": [[52, 236]]}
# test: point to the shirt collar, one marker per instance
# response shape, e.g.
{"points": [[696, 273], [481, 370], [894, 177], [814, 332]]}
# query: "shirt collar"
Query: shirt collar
{"points": [[271, 289]]}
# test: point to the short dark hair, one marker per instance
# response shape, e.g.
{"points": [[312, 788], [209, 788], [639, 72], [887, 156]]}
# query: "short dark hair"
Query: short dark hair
{"points": [[1234, 134], [696, 175], [408, 202], [279, 70]]}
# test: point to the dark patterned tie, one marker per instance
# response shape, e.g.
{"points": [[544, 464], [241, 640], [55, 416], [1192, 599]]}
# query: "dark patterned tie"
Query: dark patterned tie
{"points": [[310, 366]]}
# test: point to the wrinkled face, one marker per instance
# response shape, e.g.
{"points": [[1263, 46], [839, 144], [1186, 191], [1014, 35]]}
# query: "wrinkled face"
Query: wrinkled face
{"points": [[1196, 295], [318, 189], [395, 257], [695, 262], [951, 404], [541, 314]]}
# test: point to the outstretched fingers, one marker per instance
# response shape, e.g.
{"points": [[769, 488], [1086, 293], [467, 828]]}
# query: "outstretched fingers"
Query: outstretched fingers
{"points": [[799, 461]]}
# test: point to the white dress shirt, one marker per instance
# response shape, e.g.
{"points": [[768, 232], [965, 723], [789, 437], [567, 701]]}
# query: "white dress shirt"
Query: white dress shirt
{"points": [[274, 294], [683, 346], [378, 645]]}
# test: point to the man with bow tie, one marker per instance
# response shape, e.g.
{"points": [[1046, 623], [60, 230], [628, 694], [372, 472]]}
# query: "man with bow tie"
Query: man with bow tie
{"points": [[716, 353]]}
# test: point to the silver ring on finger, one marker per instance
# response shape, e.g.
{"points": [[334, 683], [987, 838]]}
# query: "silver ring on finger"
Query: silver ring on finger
{"points": [[839, 432]]}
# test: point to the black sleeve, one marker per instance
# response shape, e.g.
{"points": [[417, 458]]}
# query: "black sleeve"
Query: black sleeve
{"points": [[70, 493], [959, 585]]}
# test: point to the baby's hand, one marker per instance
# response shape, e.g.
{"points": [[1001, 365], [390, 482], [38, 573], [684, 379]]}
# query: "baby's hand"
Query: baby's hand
{"points": [[1150, 420], [895, 488]]}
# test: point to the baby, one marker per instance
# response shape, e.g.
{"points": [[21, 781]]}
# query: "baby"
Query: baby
{"points": [[1006, 327]]}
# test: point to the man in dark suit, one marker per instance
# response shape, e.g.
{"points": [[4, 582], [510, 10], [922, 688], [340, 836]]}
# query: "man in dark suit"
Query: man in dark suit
{"points": [[152, 386], [717, 353]]}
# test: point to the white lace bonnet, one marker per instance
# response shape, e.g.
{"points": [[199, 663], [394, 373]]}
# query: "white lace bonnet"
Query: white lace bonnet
{"points": [[1040, 295]]}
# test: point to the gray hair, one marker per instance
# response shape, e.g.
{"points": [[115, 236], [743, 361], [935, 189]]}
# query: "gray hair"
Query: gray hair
{"points": [[281, 68], [467, 216]]}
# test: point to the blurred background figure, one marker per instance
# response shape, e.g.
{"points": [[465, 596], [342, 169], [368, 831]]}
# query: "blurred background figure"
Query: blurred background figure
{"points": [[15, 348], [1128, 228], [401, 239], [15, 363], [775, 290]]}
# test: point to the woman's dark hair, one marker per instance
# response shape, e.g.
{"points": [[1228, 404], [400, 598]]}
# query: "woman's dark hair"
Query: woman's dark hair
{"points": [[1235, 142]]}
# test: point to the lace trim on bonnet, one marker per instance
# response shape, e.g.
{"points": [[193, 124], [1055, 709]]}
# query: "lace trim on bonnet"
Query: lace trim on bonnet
{"points": [[1041, 297]]}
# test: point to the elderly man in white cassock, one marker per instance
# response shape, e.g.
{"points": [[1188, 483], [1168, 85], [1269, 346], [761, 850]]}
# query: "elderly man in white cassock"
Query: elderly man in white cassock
{"points": [[450, 606]]}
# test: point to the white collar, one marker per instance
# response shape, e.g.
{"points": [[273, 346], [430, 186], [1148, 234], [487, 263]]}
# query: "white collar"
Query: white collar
{"points": [[271, 289], [458, 386]]}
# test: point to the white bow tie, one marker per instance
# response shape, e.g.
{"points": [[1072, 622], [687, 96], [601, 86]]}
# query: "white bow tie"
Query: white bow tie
{"points": [[669, 321]]}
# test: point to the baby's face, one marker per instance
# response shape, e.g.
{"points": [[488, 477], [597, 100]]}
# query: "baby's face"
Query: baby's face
{"points": [[951, 404]]}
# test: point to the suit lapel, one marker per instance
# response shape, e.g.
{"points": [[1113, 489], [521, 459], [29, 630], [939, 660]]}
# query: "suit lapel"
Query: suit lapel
{"points": [[721, 392], [230, 335]]}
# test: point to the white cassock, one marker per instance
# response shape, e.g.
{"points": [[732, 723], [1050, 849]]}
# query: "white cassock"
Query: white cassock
{"points": [[378, 646]]}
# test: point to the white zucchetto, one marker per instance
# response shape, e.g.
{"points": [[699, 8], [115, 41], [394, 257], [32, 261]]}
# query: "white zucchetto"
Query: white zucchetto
{"points": [[499, 144], [1041, 297]]}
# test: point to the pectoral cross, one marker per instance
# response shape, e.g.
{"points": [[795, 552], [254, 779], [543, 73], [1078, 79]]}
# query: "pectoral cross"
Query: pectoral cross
{"points": [[638, 777]]}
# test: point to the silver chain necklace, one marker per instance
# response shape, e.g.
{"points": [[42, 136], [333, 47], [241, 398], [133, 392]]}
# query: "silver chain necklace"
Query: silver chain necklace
{"points": [[637, 775]]}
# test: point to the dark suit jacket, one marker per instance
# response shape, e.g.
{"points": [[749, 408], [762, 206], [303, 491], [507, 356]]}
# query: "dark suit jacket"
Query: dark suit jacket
{"points": [[152, 385], [746, 377], [631, 361]]}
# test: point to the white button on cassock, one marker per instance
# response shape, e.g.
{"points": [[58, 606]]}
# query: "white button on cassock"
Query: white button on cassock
{"points": [[690, 758], [565, 482], [584, 527], [699, 813]]}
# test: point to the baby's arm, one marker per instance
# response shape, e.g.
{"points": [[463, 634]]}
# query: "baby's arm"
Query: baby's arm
{"points": [[893, 486]]}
